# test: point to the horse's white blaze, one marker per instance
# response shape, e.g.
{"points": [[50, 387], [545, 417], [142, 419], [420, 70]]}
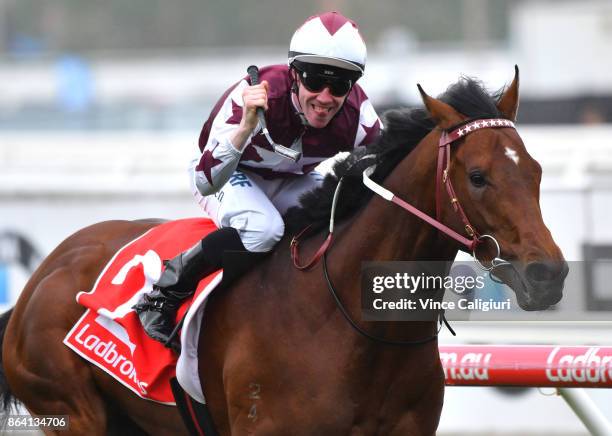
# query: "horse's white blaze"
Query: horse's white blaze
{"points": [[512, 154]]}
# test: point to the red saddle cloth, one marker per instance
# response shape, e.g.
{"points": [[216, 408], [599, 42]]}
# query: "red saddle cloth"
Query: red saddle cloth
{"points": [[109, 333]]}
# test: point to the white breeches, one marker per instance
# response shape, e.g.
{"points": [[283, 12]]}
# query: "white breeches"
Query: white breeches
{"points": [[254, 206]]}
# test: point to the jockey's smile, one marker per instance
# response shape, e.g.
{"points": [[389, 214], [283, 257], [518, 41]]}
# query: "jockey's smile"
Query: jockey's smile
{"points": [[319, 107]]}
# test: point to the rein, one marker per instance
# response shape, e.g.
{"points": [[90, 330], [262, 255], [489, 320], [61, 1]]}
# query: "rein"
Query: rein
{"points": [[340, 305], [323, 248], [442, 180]]}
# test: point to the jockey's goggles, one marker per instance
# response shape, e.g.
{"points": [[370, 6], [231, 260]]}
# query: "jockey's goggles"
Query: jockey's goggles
{"points": [[316, 78]]}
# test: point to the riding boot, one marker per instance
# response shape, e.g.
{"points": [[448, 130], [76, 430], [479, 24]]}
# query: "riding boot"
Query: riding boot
{"points": [[157, 309]]}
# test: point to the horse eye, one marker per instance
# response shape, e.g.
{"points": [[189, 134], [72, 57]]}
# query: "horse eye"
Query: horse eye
{"points": [[477, 179]]}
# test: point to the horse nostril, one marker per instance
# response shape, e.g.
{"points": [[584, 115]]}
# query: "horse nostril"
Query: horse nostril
{"points": [[542, 271]]}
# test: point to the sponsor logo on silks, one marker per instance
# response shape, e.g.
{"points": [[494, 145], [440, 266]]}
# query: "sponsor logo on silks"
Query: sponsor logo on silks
{"points": [[472, 366], [587, 367], [239, 179], [107, 351]]}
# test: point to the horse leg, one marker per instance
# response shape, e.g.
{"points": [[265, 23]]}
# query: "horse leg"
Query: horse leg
{"points": [[72, 395], [423, 416], [42, 372]]}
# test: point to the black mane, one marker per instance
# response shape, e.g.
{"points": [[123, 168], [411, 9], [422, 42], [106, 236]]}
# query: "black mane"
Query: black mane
{"points": [[404, 129]]}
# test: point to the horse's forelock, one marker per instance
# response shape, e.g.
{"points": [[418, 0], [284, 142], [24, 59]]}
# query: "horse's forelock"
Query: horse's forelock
{"points": [[469, 97]]}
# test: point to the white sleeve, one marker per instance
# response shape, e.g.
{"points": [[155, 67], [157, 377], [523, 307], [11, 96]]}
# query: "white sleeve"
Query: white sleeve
{"points": [[220, 158]]}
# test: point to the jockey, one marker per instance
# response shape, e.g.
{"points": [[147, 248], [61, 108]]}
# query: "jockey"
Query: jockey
{"points": [[312, 105]]}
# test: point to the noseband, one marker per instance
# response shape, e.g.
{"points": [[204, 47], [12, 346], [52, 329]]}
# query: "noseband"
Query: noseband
{"points": [[444, 181]]}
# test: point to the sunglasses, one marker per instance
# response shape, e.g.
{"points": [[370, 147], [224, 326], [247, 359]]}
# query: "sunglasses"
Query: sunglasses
{"points": [[314, 83]]}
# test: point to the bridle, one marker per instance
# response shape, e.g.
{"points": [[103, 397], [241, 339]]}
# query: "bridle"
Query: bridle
{"points": [[443, 181]]}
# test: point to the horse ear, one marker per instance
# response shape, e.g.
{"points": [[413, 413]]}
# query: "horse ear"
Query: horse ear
{"points": [[443, 114], [509, 101]]}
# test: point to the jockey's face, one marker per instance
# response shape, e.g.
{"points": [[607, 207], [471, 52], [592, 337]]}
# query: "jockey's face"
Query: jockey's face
{"points": [[318, 107]]}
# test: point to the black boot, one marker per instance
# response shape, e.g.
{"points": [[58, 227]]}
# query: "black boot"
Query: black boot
{"points": [[157, 309]]}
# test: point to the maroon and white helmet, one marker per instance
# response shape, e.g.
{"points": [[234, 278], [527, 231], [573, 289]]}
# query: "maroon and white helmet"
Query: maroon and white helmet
{"points": [[329, 39]]}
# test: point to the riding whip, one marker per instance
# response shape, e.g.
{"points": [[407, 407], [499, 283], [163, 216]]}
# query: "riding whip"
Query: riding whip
{"points": [[281, 150]]}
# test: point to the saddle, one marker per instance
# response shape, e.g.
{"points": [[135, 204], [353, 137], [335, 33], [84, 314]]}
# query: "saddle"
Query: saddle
{"points": [[109, 333]]}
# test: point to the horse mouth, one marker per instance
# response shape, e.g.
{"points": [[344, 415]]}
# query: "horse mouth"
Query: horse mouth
{"points": [[535, 291]]}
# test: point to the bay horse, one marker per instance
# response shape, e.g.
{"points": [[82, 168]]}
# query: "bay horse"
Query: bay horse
{"points": [[279, 358]]}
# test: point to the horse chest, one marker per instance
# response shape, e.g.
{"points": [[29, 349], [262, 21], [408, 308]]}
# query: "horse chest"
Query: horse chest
{"points": [[313, 378]]}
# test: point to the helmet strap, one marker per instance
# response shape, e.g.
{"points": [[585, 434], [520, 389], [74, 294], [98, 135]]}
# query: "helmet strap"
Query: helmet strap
{"points": [[298, 109], [295, 99]]}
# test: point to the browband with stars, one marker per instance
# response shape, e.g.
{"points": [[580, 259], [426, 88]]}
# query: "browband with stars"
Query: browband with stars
{"points": [[460, 132]]}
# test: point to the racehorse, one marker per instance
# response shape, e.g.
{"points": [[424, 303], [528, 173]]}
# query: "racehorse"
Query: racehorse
{"points": [[280, 357]]}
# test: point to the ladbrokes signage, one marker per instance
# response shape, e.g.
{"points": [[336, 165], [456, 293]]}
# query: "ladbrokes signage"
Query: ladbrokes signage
{"points": [[536, 365], [591, 366], [111, 353]]}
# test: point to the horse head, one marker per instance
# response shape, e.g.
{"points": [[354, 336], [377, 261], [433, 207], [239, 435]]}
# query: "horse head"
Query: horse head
{"points": [[497, 189]]}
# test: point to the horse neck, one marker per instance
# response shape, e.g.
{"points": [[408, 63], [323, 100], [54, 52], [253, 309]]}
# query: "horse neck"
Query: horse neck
{"points": [[383, 231]]}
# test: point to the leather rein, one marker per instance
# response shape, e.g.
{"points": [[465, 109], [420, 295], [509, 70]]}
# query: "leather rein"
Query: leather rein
{"points": [[443, 182]]}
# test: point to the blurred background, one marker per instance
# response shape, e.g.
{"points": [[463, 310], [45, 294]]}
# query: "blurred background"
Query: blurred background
{"points": [[101, 104]]}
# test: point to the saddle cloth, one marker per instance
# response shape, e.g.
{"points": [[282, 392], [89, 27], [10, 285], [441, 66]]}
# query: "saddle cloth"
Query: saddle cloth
{"points": [[109, 334]]}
